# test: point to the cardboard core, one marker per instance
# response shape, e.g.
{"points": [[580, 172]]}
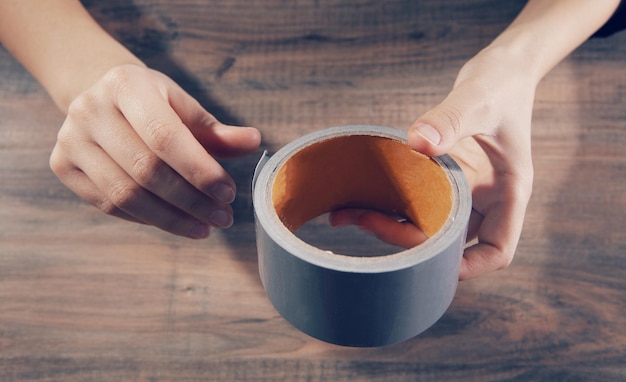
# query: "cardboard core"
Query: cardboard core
{"points": [[362, 171]]}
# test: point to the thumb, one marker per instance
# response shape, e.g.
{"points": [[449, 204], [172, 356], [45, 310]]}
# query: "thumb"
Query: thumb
{"points": [[437, 131]]}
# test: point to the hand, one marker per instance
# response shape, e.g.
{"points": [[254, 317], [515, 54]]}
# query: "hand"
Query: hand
{"points": [[138, 147], [484, 123]]}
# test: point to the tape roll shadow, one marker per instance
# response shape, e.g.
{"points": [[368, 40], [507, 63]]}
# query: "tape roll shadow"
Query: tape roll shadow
{"points": [[353, 300]]}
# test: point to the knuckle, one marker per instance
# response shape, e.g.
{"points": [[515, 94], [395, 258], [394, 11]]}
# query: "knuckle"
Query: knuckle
{"points": [[118, 81], [123, 194], [65, 170], [161, 134], [56, 162], [69, 143], [82, 114], [199, 178], [67, 137], [81, 111], [146, 169], [119, 76], [106, 206], [504, 260], [84, 104], [451, 118]]}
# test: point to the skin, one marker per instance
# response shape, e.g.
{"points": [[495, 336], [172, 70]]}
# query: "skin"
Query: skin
{"points": [[134, 144], [484, 123], [137, 146]]}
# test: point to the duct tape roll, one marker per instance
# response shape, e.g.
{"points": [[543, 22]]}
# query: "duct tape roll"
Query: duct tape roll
{"points": [[353, 300]]}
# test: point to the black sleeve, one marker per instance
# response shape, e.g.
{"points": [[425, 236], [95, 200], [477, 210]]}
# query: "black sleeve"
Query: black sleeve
{"points": [[616, 23]]}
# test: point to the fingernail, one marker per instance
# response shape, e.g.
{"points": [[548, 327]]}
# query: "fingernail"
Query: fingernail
{"points": [[198, 231], [427, 132], [223, 193], [221, 219]]}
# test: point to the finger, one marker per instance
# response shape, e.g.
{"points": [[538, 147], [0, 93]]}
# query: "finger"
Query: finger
{"points": [[223, 141], [403, 234], [154, 175], [74, 179], [163, 131], [400, 233], [498, 234], [122, 192], [475, 221], [462, 114], [345, 217]]}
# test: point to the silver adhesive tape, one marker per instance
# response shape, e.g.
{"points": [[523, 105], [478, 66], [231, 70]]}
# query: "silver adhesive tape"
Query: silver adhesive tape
{"points": [[352, 300]]}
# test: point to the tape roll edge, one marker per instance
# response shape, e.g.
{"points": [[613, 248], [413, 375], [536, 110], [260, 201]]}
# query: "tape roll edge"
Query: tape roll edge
{"points": [[297, 277]]}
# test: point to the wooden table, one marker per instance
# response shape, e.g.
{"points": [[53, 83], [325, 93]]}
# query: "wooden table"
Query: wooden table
{"points": [[84, 296]]}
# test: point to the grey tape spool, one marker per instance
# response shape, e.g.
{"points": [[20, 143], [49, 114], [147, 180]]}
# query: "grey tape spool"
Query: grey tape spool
{"points": [[348, 300]]}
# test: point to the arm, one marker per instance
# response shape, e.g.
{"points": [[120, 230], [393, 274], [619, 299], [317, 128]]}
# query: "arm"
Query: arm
{"points": [[60, 45], [484, 123], [547, 31], [134, 143], [543, 34]]}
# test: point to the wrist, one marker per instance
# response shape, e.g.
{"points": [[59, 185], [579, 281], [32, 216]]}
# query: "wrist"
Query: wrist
{"points": [[60, 44], [499, 67], [510, 59], [516, 51], [65, 87]]}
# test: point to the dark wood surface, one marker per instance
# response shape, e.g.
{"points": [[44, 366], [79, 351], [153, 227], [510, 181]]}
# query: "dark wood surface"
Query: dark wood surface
{"points": [[87, 297]]}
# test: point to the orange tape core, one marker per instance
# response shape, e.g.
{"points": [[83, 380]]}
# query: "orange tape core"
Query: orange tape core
{"points": [[362, 171]]}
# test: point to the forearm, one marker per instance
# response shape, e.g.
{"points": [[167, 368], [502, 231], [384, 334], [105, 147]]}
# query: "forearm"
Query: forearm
{"points": [[546, 31], [59, 43]]}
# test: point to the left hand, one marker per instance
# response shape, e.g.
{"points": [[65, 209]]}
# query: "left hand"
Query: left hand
{"points": [[484, 124]]}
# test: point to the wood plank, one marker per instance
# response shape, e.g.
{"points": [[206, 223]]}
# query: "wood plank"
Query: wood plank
{"points": [[85, 296]]}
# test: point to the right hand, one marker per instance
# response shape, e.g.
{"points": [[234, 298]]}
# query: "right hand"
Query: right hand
{"points": [[138, 147]]}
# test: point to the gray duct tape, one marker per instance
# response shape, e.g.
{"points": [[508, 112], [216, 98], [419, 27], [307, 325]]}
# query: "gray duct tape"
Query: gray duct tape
{"points": [[351, 300]]}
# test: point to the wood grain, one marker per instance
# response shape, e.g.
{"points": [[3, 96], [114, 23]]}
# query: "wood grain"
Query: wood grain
{"points": [[87, 297]]}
